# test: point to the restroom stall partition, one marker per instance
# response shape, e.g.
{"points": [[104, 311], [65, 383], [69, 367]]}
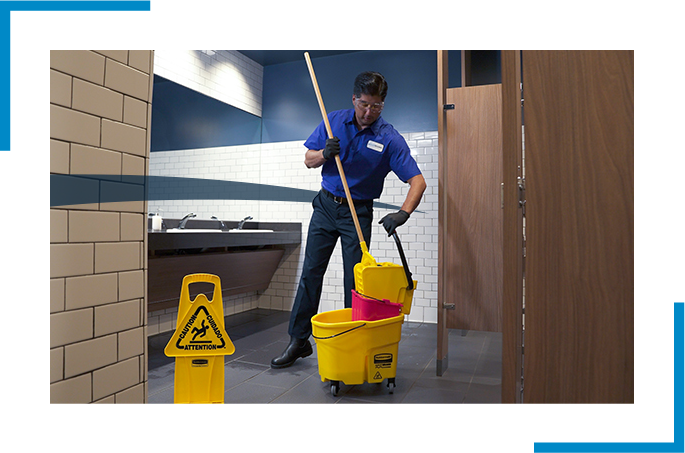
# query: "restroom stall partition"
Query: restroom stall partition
{"points": [[567, 224], [470, 214], [578, 108]]}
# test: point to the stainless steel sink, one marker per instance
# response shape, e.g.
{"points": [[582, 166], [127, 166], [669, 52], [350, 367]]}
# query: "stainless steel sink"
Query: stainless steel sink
{"points": [[203, 230]]}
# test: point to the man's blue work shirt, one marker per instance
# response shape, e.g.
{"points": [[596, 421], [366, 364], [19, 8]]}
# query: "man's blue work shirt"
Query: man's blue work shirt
{"points": [[367, 156]]}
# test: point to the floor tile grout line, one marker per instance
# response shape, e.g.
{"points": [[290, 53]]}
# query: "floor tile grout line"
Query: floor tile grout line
{"points": [[247, 380], [291, 389], [419, 376], [160, 390], [262, 372], [473, 374]]}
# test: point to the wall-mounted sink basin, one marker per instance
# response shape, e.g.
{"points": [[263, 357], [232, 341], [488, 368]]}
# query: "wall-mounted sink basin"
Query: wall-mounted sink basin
{"points": [[204, 230], [192, 230]]}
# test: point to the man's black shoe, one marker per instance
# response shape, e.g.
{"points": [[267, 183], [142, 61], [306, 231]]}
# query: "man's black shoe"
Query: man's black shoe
{"points": [[296, 349]]}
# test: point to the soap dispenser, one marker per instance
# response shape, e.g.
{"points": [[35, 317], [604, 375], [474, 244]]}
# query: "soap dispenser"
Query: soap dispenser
{"points": [[157, 222]]}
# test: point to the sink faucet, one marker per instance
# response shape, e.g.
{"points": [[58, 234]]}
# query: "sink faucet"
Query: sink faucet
{"points": [[184, 220], [223, 226], [242, 222]]}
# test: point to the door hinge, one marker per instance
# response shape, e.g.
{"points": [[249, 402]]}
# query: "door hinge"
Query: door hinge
{"points": [[448, 107], [522, 191]]}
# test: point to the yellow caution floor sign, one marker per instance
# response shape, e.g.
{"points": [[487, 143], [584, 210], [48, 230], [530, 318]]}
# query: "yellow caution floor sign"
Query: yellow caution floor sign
{"points": [[200, 333], [199, 344]]}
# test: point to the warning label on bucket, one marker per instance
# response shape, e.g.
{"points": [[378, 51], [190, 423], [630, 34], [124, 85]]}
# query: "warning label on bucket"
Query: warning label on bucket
{"points": [[382, 360], [199, 334]]}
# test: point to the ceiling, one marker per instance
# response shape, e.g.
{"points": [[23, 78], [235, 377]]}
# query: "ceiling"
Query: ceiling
{"points": [[270, 57]]}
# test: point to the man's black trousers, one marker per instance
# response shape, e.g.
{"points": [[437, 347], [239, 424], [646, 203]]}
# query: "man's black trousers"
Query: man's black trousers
{"points": [[330, 221]]}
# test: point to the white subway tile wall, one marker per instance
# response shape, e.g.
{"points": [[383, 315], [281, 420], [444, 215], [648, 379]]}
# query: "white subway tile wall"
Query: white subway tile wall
{"points": [[282, 164], [226, 75], [100, 104]]}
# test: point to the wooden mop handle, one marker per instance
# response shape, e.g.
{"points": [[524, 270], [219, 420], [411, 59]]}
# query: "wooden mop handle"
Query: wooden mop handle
{"points": [[318, 94], [337, 157]]}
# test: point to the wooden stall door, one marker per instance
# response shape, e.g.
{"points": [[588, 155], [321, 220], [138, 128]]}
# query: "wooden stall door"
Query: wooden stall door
{"points": [[471, 217], [578, 116]]}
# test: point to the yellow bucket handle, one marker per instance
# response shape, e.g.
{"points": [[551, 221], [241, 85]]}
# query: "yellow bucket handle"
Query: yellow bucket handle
{"points": [[338, 334]]}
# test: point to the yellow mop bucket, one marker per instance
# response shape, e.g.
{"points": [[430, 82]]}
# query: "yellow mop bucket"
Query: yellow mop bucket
{"points": [[385, 280], [354, 352], [199, 345]]}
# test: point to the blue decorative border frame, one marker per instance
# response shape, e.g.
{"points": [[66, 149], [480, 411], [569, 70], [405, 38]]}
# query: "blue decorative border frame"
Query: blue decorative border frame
{"points": [[642, 447], [6, 8]]}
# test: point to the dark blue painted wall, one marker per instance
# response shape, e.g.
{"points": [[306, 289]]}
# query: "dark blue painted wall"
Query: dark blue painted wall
{"points": [[290, 110], [185, 119]]}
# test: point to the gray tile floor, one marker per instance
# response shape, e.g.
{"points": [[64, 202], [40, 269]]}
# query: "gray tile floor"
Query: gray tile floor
{"points": [[473, 376]]}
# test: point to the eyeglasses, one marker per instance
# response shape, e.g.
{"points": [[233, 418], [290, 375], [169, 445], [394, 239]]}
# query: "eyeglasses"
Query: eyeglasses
{"points": [[377, 107]]}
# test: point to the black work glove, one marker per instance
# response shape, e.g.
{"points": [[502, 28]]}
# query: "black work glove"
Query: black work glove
{"points": [[392, 221], [332, 148]]}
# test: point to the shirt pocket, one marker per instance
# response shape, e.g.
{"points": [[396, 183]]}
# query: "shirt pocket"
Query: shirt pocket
{"points": [[372, 153]]}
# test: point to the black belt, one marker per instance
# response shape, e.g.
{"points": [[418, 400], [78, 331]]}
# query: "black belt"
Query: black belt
{"points": [[343, 200]]}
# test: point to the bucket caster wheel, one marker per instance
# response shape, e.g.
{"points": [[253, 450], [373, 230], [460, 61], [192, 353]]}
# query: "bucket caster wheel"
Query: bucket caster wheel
{"points": [[335, 388], [391, 385]]}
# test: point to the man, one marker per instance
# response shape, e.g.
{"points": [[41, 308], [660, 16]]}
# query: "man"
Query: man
{"points": [[369, 149]]}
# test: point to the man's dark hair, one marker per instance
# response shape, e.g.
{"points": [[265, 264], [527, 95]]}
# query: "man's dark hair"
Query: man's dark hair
{"points": [[370, 83]]}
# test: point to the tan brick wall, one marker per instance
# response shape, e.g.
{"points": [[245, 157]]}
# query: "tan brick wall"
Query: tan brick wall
{"points": [[100, 111]]}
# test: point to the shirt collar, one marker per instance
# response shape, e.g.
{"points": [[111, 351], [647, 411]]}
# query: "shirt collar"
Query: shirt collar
{"points": [[375, 127]]}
